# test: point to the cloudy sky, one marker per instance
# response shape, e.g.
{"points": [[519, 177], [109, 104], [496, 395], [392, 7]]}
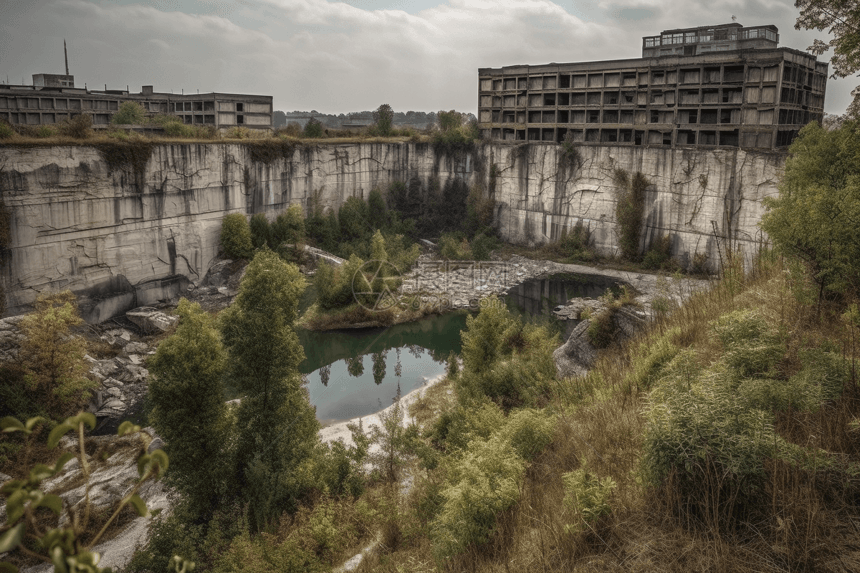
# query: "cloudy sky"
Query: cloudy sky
{"points": [[352, 55]]}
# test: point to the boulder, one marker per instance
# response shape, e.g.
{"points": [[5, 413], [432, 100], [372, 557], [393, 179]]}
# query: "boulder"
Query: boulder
{"points": [[151, 320], [576, 356]]}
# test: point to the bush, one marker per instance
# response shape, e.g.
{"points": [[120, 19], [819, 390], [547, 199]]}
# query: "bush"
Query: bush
{"points": [[659, 256], [261, 231], [587, 496], [130, 112], [289, 226], [53, 360], [45, 131], [482, 245], [78, 127], [6, 131], [575, 243], [292, 129], [481, 484], [236, 237], [313, 129], [601, 330], [629, 211], [528, 431], [454, 247], [176, 128]]}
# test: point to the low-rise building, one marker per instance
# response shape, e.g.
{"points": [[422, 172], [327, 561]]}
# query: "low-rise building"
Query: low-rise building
{"points": [[53, 98]]}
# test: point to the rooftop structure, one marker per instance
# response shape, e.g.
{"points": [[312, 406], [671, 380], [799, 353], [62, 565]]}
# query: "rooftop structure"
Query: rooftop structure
{"points": [[709, 86]]}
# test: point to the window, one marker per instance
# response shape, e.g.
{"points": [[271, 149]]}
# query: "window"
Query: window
{"points": [[240, 119], [240, 107]]}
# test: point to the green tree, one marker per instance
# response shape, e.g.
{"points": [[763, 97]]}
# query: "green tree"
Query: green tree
{"points": [[236, 236], [186, 392], [841, 19], [129, 113], [278, 426], [289, 226], [383, 119], [54, 365], [816, 217], [261, 231], [354, 220], [313, 129], [449, 120], [377, 210]]}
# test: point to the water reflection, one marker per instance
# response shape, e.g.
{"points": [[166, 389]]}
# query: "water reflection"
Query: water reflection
{"points": [[343, 384]]}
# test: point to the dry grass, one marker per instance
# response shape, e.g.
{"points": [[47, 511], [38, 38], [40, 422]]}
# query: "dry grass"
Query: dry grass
{"points": [[800, 520]]}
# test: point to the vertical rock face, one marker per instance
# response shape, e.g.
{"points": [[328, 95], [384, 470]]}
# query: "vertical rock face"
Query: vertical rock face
{"points": [[129, 226], [126, 226], [705, 199]]}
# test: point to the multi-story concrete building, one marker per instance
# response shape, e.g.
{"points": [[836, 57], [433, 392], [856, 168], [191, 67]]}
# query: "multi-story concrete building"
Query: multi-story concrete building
{"points": [[716, 85], [53, 98]]}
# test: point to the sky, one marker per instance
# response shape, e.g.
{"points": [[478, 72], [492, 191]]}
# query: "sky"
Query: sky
{"points": [[352, 55]]}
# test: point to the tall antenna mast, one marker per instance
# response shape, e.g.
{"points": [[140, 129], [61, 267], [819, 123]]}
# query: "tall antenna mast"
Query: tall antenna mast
{"points": [[66, 52]]}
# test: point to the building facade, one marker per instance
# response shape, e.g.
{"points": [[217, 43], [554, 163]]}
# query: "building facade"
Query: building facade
{"points": [[710, 86], [46, 102]]}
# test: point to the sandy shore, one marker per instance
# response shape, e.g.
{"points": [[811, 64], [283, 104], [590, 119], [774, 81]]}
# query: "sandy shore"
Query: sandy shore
{"points": [[339, 431]]}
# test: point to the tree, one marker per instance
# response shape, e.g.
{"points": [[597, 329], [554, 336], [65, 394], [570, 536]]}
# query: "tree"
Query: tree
{"points": [[383, 119], [279, 119], [129, 113], [313, 129], [261, 231], [186, 392], [289, 226], [236, 236], [278, 426], [841, 18], [816, 217], [53, 359], [449, 120]]}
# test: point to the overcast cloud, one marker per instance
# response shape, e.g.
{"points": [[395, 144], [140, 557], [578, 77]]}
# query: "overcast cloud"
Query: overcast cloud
{"points": [[353, 55]]}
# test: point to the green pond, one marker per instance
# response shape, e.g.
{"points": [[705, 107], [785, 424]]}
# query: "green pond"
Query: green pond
{"points": [[353, 373]]}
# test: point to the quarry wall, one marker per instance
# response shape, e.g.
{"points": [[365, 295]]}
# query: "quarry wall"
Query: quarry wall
{"points": [[129, 227]]}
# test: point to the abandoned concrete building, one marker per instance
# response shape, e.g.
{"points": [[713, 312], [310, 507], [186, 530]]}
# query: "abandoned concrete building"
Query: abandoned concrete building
{"points": [[725, 85], [53, 98]]}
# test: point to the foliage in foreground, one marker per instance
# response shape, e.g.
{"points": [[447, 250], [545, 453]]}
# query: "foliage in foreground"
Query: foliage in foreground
{"points": [[815, 218]]}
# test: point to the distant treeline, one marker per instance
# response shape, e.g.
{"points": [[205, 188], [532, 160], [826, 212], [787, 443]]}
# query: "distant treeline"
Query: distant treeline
{"points": [[418, 119]]}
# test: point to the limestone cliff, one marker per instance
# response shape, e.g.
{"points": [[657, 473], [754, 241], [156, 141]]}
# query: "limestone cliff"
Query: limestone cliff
{"points": [[128, 226]]}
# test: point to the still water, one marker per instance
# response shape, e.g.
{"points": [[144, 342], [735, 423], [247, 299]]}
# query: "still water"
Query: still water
{"points": [[354, 373]]}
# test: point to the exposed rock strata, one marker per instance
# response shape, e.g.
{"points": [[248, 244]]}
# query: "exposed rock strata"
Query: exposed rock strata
{"points": [[122, 236]]}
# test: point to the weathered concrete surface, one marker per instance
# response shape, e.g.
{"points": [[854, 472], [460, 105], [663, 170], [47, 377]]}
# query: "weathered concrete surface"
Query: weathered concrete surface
{"points": [[126, 236], [693, 193]]}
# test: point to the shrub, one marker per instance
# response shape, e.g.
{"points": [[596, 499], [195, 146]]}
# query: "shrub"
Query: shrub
{"points": [[289, 226], [313, 129], [6, 131], [45, 131], [292, 129], [176, 128], [659, 256], [575, 243], [601, 330], [481, 246], [130, 112], [629, 210], [236, 237], [528, 431], [587, 496], [454, 247], [454, 429], [78, 126], [481, 484], [53, 360], [261, 231]]}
